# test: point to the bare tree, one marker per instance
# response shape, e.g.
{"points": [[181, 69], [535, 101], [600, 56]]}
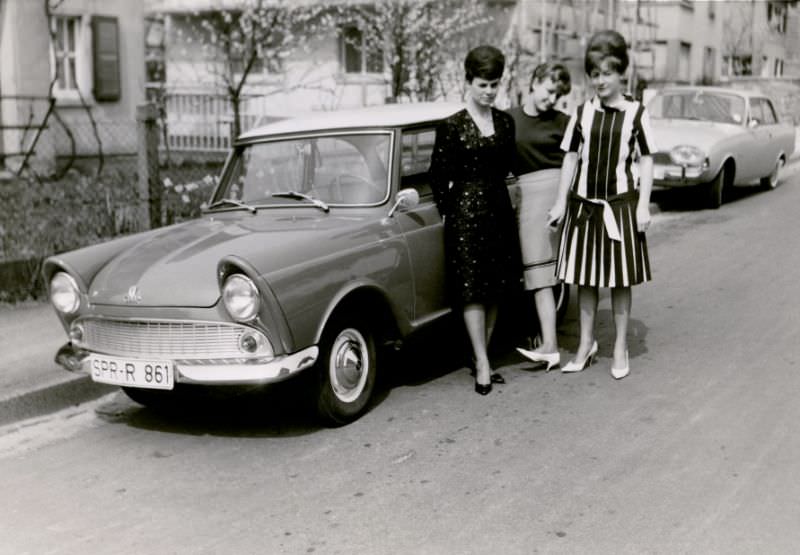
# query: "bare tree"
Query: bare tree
{"points": [[256, 36], [414, 38]]}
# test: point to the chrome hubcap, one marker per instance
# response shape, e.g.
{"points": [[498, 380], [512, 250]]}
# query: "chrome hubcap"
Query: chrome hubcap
{"points": [[773, 179], [349, 365]]}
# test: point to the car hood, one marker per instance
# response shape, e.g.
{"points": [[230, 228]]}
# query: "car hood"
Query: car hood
{"points": [[177, 265], [670, 133]]}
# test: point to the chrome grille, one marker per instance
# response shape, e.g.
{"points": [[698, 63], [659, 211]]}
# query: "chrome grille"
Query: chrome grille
{"points": [[188, 340]]}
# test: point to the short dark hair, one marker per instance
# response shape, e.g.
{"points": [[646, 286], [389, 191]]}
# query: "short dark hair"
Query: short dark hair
{"points": [[606, 45], [557, 73], [484, 62]]}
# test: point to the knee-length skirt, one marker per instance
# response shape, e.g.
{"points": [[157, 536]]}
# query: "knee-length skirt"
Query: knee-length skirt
{"points": [[538, 241], [482, 261], [588, 255]]}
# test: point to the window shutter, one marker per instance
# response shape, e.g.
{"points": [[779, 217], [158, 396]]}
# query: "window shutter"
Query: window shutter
{"points": [[105, 49]]}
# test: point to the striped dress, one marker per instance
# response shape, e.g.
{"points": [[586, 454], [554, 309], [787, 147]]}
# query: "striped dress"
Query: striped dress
{"points": [[600, 245]]}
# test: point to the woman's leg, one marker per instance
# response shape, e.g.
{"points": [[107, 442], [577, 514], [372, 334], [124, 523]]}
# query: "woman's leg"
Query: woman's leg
{"points": [[587, 303], [491, 320], [621, 305], [475, 321], [546, 311]]}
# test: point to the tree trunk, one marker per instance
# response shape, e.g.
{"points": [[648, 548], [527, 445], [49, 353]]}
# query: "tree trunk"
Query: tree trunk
{"points": [[236, 125]]}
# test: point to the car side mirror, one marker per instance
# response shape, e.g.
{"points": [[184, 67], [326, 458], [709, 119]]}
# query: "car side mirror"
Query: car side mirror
{"points": [[406, 199], [752, 123]]}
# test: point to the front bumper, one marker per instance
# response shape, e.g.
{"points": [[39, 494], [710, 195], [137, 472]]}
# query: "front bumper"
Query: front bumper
{"points": [[672, 175], [213, 371]]}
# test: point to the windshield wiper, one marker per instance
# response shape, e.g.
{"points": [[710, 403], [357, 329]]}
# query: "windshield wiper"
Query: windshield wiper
{"points": [[234, 202], [302, 196]]}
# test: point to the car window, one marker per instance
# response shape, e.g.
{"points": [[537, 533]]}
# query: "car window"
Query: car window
{"points": [[697, 105], [343, 169], [756, 113], [415, 159], [767, 112]]}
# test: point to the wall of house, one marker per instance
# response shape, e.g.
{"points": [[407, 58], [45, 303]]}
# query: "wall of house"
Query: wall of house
{"points": [[26, 71]]}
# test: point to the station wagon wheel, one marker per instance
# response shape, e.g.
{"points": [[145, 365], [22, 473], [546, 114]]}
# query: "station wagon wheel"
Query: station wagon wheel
{"points": [[771, 181], [715, 190], [346, 371]]}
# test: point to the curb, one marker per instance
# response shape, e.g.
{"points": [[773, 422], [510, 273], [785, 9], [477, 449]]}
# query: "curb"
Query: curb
{"points": [[70, 391]]}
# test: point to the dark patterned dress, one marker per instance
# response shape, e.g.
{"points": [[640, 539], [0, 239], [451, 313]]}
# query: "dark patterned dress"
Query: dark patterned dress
{"points": [[468, 171]]}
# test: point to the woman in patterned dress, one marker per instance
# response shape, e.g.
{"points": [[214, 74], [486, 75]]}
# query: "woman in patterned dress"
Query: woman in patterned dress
{"points": [[472, 156], [604, 197]]}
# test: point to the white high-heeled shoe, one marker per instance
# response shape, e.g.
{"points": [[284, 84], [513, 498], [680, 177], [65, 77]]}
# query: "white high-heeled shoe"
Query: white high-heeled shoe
{"points": [[573, 366], [553, 360], [620, 373]]}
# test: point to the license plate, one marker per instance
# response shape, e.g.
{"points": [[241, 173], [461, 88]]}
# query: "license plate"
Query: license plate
{"points": [[149, 374]]}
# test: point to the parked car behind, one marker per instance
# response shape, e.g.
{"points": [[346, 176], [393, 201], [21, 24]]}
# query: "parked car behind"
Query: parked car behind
{"points": [[717, 138], [320, 245]]}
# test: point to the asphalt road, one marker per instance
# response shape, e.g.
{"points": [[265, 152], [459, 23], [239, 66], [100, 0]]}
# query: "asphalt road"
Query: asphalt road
{"points": [[695, 452]]}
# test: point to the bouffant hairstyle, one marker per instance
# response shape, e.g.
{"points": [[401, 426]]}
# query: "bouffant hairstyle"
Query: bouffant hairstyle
{"points": [[557, 73], [484, 62], [606, 46]]}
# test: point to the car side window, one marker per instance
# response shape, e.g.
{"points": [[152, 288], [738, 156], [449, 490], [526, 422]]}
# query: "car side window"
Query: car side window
{"points": [[768, 112], [756, 114], [415, 159]]}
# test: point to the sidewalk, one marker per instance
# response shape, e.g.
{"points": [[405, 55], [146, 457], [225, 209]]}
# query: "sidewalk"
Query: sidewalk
{"points": [[32, 384]]}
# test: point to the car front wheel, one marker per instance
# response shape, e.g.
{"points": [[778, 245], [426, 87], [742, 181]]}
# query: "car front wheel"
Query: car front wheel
{"points": [[716, 189], [346, 371]]}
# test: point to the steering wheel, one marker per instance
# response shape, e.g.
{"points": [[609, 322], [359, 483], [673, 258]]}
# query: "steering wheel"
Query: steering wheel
{"points": [[335, 186]]}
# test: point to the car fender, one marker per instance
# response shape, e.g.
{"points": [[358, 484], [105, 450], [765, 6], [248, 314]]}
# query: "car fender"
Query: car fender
{"points": [[359, 293], [271, 318]]}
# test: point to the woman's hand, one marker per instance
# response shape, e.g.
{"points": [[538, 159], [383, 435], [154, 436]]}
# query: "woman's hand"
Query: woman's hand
{"points": [[642, 217], [556, 214]]}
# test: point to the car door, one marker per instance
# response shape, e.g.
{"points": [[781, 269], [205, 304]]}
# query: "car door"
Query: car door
{"points": [[422, 225], [762, 125]]}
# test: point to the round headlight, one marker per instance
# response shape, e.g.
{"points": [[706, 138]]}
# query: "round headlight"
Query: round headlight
{"points": [[687, 155], [64, 293], [240, 296]]}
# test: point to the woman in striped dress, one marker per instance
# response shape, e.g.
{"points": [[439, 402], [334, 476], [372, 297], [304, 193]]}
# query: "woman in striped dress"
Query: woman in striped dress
{"points": [[604, 197]]}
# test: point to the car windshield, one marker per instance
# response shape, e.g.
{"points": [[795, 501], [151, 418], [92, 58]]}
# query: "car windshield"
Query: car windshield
{"points": [[345, 170], [697, 105]]}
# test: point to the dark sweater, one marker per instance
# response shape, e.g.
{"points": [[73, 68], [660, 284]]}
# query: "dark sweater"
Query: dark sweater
{"points": [[538, 139]]}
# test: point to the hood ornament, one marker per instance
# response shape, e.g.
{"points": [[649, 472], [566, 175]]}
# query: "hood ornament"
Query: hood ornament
{"points": [[133, 296]]}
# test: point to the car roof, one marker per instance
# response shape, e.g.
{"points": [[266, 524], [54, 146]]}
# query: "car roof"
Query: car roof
{"points": [[728, 90], [382, 116]]}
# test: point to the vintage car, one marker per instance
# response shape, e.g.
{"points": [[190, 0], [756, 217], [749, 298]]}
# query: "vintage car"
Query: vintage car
{"points": [[717, 138], [320, 245]]}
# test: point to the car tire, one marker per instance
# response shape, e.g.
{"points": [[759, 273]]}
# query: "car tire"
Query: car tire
{"points": [[715, 190], [771, 181], [346, 371]]}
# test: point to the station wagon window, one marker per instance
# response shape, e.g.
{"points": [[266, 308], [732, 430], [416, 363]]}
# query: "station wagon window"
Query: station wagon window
{"points": [[342, 169], [415, 160]]}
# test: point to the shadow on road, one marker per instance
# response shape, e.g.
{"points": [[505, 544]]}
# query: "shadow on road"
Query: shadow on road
{"points": [[689, 199]]}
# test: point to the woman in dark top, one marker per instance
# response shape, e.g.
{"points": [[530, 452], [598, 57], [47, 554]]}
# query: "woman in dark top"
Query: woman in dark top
{"points": [[472, 156], [539, 132]]}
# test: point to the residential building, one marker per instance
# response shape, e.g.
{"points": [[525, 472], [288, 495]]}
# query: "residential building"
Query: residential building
{"points": [[761, 39], [85, 55]]}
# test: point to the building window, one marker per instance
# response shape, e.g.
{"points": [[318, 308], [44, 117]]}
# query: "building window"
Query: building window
{"points": [[685, 62], [355, 55], [65, 50]]}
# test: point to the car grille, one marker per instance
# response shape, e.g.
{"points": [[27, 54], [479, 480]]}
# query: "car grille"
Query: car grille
{"points": [[188, 340]]}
